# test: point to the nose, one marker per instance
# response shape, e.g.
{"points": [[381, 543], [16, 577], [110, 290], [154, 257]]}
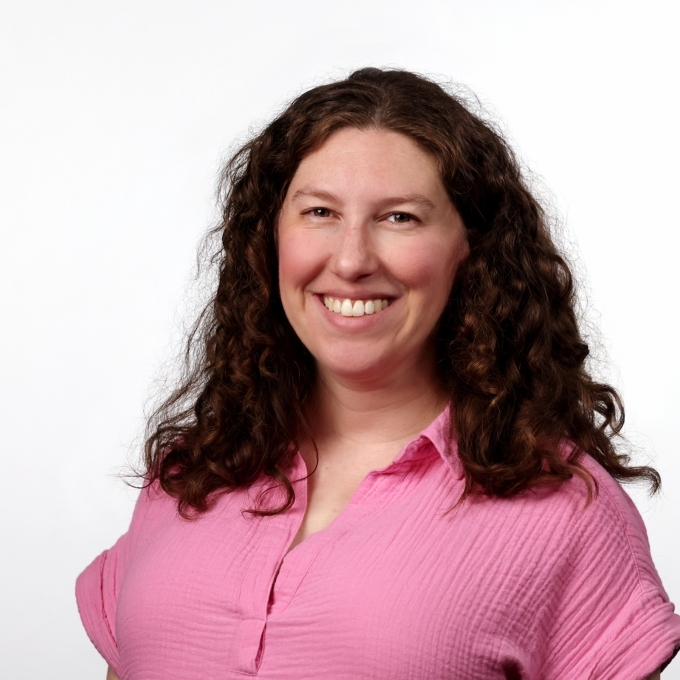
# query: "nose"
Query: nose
{"points": [[354, 255]]}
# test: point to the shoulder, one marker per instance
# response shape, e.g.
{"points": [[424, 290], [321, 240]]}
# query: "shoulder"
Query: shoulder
{"points": [[603, 540], [611, 527]]}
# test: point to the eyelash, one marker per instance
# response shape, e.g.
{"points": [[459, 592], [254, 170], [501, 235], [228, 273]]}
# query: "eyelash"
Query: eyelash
{"points": [[412, 218]]}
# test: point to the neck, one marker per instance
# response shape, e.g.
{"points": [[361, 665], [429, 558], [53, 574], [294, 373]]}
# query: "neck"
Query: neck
{"points": [[375, 413]]}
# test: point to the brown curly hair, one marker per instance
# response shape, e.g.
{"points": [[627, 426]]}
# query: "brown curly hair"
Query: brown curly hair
{"points": [[509, 349]]}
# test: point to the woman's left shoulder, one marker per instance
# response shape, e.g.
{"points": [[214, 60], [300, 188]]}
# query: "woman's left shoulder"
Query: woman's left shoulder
{"points": [[610, 527], [610, 513]]}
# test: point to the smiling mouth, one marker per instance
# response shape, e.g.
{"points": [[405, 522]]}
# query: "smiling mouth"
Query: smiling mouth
{"points": [[349, 307]]}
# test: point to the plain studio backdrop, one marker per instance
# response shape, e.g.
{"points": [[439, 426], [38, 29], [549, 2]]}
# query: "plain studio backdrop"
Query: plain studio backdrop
{"points": [[115, 118]]}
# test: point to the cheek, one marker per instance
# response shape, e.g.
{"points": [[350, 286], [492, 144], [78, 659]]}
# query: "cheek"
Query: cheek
{"points": [[431, 265], [298, 261]]}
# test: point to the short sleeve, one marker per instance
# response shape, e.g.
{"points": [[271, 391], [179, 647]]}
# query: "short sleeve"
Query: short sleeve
{"points": [[642, 638], [97, 595], [614, 620], [97, 588]]}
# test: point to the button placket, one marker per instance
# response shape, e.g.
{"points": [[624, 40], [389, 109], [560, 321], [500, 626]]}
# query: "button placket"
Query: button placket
{"points": [[260, 577], [274, 577]]}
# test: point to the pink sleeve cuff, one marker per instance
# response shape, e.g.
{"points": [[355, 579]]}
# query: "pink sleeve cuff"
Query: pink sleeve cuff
{"points": [[643, 638], [92, 607]]}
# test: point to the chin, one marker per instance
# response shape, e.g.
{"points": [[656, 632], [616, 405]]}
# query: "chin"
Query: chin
{"points": [[358, 369]]}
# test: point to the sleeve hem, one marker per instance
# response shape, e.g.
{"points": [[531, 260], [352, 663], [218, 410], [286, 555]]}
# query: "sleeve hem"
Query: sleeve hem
{"points": [[645, 640], [89, 598]]}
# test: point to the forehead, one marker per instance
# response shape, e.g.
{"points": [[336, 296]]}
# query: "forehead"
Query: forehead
{"points": [[384, 158]]}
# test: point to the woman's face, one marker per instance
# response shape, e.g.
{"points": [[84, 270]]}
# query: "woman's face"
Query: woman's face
{"points": [[366, 219]]}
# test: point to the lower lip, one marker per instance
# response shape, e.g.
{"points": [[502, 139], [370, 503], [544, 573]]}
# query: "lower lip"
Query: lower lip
{"points": [[354, 323]]}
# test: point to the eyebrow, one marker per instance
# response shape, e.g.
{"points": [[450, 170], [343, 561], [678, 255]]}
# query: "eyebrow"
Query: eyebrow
{"points": [[315, 193], [393, 200]]}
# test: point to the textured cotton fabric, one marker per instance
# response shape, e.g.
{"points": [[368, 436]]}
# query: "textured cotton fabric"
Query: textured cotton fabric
{"points": [[529, 587]]}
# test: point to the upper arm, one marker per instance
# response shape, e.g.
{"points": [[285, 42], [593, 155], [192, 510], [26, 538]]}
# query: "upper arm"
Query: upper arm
{"points": [[97, 587]]}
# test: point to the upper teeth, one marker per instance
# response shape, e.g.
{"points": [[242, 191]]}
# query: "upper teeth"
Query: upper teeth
{"points": [[357, 308]]}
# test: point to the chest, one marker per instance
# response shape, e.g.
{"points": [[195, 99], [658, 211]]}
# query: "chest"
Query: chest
{"points": [[390, 588], [327, 496]]}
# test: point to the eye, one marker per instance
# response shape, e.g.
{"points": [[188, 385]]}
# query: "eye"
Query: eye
{"points": [[319, 212], [402, 218]]}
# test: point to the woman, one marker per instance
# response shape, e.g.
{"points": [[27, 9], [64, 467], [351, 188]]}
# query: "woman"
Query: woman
{"points": [[389, 460]]}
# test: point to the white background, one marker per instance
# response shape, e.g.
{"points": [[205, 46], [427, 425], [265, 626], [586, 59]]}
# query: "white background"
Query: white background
{"points": [[114, 120]]}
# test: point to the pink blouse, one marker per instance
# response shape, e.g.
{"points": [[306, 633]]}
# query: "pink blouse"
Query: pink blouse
{"points": [[528, 587]]}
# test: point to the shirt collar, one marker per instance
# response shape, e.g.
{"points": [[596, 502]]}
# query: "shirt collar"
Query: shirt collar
{"points": [[438, 433]]}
